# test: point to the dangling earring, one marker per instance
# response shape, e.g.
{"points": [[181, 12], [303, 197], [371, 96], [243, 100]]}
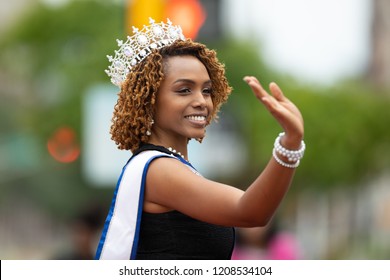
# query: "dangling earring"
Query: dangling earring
{"points": [[148, 132]]}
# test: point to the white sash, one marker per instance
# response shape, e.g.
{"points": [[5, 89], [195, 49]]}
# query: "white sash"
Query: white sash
{"points": [[119, 239]]}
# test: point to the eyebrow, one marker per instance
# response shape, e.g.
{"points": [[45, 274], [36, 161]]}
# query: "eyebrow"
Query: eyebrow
{"points": [[189, 81]]}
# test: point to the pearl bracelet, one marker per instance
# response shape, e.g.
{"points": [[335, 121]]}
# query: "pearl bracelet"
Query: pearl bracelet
{"points": [[282, 163], [292, 155]]}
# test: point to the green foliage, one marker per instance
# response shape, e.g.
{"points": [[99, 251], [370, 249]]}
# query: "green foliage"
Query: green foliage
{"points": [[346, 133], [60, 53], [48, 60]]}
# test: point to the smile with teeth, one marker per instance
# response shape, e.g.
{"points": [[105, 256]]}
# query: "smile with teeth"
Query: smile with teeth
{"points": [[196, 118]]}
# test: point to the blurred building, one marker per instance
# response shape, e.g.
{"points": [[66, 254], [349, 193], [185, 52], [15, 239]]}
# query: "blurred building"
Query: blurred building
{"points": [[379, 71]]}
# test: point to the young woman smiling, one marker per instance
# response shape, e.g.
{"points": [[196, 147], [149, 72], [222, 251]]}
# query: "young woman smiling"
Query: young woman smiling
{"points": [[171, 89]]}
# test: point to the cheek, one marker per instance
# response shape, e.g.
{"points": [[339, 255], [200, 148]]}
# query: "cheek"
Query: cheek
{"points": [[165, 114]]}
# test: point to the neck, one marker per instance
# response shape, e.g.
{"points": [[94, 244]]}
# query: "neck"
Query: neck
{"points": [[174, 147]]}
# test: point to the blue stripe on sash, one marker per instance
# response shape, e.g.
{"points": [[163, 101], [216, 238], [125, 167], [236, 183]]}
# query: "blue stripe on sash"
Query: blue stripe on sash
{"points": [[110, 215], [140, 207]]}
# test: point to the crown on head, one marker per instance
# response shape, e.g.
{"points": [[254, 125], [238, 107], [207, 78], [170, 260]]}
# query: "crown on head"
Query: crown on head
{"points": [[139, 46]]}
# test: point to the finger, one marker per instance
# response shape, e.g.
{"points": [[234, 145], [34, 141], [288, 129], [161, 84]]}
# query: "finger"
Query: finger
{"points": [[272, 104], [256, 87], [277, 92]]}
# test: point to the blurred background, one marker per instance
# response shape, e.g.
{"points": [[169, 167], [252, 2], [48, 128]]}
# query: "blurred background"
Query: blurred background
{"points": [[58, 166]]}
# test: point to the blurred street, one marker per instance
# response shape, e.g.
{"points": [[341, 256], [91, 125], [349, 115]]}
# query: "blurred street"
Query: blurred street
{"points": [[58, 165]]}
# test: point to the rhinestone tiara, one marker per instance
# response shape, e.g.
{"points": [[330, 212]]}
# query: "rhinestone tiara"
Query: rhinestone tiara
{"points": [[139, 46]]}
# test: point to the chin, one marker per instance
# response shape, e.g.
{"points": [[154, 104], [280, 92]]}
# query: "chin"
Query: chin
{"points": [[198, 135]]}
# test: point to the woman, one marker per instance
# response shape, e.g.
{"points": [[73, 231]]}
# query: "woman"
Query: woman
{"points": [[171, 89]]}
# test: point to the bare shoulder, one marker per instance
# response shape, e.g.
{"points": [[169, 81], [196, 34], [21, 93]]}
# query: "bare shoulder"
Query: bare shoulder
{"points": [[169, 175]]}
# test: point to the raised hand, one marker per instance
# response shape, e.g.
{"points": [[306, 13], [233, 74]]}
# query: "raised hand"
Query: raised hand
{"points": [[282, 109]]}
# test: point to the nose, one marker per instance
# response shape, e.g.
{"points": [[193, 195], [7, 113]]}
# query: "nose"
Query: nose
{"points": [[199, 100]]}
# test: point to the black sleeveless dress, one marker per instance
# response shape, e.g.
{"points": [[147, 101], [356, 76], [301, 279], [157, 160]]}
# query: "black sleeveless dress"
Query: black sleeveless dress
{"points": [[174, 236]]}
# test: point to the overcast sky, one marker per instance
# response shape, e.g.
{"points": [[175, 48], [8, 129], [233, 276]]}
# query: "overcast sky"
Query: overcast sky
{"points": [[317, 41]]}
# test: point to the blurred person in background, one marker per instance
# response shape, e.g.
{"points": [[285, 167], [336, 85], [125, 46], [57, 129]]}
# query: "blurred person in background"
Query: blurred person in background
{"points": [[266, 243], [84, 229], [171, 88]]}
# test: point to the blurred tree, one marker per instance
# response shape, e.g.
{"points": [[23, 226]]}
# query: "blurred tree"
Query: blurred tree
{"points": [[345, 125], [48, 59]]}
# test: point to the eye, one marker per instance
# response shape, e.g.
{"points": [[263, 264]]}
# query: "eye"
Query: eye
{"points": [[207, 91], [184, 90]]}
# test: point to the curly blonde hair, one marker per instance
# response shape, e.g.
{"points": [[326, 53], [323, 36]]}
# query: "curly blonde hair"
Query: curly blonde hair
{"points": [[134, 110]]}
